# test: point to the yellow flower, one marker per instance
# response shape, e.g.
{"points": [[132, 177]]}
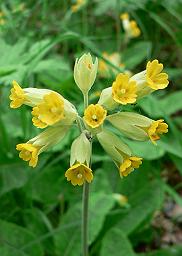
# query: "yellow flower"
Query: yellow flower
{"points": [[104, 68], [124, 16], [135, 31], [120, 199], [78, 174], [94, 115], [79, 3], [124, 90], [155, 79], [49, 111], [27, 96], [129, 164], [131, 28], [156, 129], [17, 96], [28, 152]]}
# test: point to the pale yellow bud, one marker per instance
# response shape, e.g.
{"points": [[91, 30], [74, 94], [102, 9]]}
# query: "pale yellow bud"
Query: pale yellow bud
{"points": [[131, 124], [113, 146], [85, 71], [80, 150]]}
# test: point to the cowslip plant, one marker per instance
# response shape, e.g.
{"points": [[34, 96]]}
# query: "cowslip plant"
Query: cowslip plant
{"points": [[52, 111]]}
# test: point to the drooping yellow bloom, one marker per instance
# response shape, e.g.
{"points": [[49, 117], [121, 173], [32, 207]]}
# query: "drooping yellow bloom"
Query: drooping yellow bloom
{"points": [[155, 79], [124, 90], [17, 96], [27, 96], [124, 16], [78, 174], [94, 115], [119, 152], [104, 68], [29, 152], [130, 26], [129, 164], [151, 79], [49, 111], [156, 129], [135, 31], [79, 3]]}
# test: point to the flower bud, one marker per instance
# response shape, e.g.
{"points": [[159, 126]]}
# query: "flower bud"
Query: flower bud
{"points": [[80, 150], [85, 72]]}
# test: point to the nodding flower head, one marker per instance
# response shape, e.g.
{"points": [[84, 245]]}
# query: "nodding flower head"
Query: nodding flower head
{"points": [[78, 174], [124, 90], [155, 79]]}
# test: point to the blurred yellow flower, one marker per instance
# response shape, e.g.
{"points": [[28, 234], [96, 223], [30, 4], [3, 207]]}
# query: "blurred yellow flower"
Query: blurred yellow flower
{"points": [[155, 79], [79, 3], [78, 174], [156, 129], [120, 199], [94, 115], [49, 111], [131, 28], [28, 152], [129, 164], [104, 68], [123, 90]]}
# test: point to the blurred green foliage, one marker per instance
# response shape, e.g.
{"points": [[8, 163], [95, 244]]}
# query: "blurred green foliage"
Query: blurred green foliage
{"points": [[40, 213]]}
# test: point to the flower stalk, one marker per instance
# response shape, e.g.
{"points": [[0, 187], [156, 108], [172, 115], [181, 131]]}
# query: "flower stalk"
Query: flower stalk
{"points": [[85, 204]]}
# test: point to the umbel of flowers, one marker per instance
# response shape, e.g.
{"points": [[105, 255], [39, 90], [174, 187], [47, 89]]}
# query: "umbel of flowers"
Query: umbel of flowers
{"points": [[55, 114]]}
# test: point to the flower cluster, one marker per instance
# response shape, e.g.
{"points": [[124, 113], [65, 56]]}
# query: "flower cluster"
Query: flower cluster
{"points": [[52, 111], [130, 26]]}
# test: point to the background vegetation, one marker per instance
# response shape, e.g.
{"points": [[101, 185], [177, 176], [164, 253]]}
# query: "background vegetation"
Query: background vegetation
{"points": [[40, 212]]}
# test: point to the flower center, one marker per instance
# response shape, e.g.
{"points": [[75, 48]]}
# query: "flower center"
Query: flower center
{"points": [[89, 66], [123, 91], [79, 176], [54, 110], [94, 117]]}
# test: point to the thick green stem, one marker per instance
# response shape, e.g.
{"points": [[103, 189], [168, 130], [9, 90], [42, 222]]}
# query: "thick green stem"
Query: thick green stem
{"points": [[85, 202]]}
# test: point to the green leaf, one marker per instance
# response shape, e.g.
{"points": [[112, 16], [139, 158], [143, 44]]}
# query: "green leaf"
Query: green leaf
{"points": [[172, 103], [170, 251], [115, 243], [143, 203], [68, 242], [134, 55], [14, 237], [12, 176], [142, 149]]}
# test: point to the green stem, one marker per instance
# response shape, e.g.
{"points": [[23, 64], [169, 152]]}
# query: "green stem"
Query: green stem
{"points": [[85, 202], [85, 97]]}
